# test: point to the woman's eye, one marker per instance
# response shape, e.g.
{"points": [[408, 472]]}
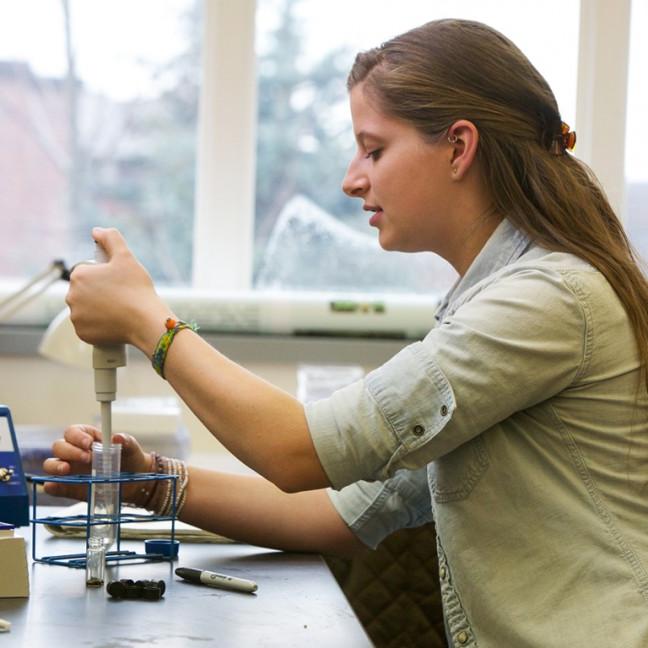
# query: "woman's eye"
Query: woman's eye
{"points": [[375, 154]]}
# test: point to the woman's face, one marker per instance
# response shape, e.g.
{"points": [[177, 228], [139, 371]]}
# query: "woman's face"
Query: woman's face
{"points": [[403, 179]]}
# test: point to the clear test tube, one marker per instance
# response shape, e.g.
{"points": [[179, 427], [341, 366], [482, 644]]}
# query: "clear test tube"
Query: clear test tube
{"points": [[106, 462], [95, 562]]}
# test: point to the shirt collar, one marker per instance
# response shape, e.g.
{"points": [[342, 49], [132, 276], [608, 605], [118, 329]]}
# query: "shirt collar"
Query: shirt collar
{"points": [[505, 245]]}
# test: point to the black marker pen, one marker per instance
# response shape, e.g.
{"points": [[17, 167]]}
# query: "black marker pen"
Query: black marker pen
{"points": [[212, 579]]}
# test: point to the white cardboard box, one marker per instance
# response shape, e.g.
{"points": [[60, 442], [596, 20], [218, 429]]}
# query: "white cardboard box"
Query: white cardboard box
{"points": [[13, 567]]}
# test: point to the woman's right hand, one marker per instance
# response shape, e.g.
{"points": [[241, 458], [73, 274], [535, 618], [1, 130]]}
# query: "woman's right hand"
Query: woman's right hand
{"points": [[115, 302], [73, 456]]}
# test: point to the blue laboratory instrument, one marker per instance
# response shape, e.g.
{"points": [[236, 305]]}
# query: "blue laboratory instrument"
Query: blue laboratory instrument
{"points": [[14, 501]]}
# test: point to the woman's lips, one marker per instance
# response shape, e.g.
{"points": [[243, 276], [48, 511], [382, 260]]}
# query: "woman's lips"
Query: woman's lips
{"points": [[375, 217]]}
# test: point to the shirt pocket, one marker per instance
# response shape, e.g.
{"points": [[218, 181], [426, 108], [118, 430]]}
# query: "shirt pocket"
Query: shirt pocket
{"points": [[454, 476]]}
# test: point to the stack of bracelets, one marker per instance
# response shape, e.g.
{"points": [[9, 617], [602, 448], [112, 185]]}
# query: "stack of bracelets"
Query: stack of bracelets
{"points": [[158, 496]]}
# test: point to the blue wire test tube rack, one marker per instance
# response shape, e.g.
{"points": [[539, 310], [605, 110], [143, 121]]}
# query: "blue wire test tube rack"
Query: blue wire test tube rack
{"points": [[78, 560]]}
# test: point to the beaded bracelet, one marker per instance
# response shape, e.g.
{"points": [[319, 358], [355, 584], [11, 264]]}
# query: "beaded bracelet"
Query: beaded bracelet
{"points": [[179, 468], [172, 326]]}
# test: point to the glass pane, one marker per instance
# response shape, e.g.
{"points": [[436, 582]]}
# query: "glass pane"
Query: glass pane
{"points": [[308, 234], [98, 105], [636, 162]]}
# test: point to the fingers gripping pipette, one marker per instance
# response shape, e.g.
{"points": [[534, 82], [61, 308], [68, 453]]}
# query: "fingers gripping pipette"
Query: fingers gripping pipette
{"points": [[105, 360]]}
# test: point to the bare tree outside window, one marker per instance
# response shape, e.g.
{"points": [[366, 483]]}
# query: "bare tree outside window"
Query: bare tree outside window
{"points": [[75, 156]]}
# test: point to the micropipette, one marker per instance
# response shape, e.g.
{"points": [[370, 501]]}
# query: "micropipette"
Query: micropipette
{"points": [[105, 457], [105, 360]]}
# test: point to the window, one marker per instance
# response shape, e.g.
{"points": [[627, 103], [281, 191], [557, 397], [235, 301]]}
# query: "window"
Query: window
{"points": [[308, 235], [98, 110], [104, 132]]}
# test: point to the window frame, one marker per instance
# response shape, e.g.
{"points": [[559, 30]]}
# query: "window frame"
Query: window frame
{"points": [[602, 94], [223, 246], [225, 173], [226, 142]]}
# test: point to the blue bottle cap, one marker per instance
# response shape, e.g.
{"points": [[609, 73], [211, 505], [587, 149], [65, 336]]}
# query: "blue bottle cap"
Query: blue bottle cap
{"points": [[162, 547]]}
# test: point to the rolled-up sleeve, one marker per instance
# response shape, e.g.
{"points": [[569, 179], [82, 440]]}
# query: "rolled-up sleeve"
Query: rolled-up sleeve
{"points": [[377, 422], [518, 341], [374, 510]]}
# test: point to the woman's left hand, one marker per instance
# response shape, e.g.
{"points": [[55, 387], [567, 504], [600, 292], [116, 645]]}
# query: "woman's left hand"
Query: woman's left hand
{"points": [[73, 456]]}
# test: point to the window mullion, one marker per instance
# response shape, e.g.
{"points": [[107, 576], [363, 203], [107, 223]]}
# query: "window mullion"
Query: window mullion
{"points": [[224, 213], [601, 104]]}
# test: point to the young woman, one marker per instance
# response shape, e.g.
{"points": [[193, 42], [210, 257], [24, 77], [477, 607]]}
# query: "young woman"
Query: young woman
{"points": [[518, 423]]}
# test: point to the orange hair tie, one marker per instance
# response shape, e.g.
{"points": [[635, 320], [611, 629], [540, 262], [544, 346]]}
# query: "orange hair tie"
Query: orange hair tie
{"points": [[565, 141]]}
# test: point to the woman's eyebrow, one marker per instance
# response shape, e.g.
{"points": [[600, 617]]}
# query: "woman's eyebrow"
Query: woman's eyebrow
{"points": [[363, 135]]}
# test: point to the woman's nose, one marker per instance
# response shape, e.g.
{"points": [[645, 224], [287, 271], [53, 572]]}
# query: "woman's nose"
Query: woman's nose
{"points": [[355, 183]]}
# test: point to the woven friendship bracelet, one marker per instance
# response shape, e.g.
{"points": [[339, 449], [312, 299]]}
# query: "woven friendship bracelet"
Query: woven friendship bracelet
{"points": [[173, 327]]}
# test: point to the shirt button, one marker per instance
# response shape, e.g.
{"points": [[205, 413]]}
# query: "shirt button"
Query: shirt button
{"points": [[462, 637], [418, 430], [443, 573], [444, 410]]}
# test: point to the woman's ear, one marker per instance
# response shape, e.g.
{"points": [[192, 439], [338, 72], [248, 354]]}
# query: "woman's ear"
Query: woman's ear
{"points": [[463, 138]]}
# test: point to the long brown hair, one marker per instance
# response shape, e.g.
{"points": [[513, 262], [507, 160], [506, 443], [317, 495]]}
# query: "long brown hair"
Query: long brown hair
{"points": [[447, 70]]}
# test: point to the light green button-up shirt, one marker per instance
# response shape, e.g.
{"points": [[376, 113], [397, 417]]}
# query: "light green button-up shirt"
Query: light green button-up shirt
{"points": [[519, 424]]}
